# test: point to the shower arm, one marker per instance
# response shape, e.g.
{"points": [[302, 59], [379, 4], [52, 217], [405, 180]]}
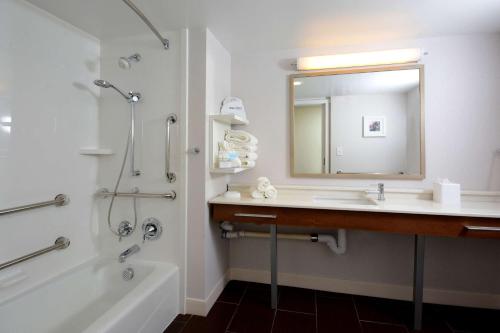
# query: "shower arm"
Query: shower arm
{"points": [[143, 17]]}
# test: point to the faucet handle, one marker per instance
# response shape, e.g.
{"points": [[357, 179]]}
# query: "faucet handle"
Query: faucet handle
{"points": [[151, 229]]}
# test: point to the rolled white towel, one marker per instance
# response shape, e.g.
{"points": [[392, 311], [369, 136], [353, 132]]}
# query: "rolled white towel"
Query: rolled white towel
{"points": [[257, 194], [270, 192], [245, 163], [263, 183], [241, 137]]}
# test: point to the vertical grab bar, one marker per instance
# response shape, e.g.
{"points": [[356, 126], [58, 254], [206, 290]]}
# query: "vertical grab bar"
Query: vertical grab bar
{"points": [[171, 119]]}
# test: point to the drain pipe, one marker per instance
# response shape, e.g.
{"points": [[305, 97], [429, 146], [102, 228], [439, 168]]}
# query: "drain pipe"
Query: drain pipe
{"points": [[336, 245]]}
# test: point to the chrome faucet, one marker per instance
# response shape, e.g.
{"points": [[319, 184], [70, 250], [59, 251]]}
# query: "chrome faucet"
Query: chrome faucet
{"points": [[128, 252], [381, 192]]}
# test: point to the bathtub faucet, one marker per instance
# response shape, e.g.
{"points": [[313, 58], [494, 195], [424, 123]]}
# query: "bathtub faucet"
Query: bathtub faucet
{"points": [[128, 252]]}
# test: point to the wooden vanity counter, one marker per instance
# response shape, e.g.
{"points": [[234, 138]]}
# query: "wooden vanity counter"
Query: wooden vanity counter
{"points": [[406, 212], [410, 212]]}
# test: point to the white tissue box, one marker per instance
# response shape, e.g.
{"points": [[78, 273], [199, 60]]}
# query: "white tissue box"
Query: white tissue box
{"points": [[446, 193]]}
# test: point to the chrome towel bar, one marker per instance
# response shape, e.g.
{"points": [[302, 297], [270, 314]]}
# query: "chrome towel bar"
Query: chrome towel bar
{"points": [[105, 193], [59, 244], [171, 119], [59, 200]]}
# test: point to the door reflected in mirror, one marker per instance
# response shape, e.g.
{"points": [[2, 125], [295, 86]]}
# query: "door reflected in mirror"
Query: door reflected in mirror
{"points": [[358, 123]]}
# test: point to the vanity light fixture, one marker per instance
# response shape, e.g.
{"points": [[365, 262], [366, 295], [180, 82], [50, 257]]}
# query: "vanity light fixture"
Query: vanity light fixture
{"points": [[387, 57], [297, 83]]}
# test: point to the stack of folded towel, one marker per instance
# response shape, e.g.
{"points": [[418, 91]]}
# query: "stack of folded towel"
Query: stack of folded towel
{"points": [[264, 189], [237, 150]]}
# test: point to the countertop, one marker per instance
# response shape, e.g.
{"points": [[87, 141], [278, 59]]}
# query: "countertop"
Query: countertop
{"points": [[474, 204]]}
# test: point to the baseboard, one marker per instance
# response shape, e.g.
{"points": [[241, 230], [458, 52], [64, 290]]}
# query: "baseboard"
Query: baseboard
{"points": [[201, 307], [392, 291]]}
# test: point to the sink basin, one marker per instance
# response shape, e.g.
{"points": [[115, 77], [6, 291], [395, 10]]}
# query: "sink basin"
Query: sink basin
{"points": [[345, 201]]}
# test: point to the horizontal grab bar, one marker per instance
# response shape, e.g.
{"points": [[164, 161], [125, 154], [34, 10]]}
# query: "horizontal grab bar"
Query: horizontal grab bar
{"points": [[481, 228], [262, 216], [59, 200], [105, 193], [59, 244]]}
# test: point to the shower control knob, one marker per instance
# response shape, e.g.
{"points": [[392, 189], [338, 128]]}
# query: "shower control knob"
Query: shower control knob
{"points": [[151, 229]]}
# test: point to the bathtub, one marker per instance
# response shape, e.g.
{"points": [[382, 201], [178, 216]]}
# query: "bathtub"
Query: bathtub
{"points": [[95, 297]]}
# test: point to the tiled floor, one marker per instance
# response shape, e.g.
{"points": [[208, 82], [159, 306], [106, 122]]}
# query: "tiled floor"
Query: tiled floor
{"points": [[244, 308]]}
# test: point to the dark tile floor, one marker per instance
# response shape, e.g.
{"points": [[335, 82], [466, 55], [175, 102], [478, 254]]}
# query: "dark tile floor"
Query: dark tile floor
{"points": [[243, 307]]}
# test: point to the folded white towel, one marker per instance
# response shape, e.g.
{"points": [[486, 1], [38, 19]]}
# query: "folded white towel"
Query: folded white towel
{"points": [[270, 192], [257, 194], [225, 145], [247, 163], [236, 163], [263, 183], [241, 137], [227, 155]]}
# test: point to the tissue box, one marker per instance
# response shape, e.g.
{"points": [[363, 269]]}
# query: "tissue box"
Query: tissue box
{"points": [[446, 193]]}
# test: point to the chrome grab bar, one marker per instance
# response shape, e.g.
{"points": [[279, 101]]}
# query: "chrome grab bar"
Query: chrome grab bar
{"points": [[171, 119], [143, 17], [262, 216], [481, 228], [59, 200], [106, 193], [59, 244]]}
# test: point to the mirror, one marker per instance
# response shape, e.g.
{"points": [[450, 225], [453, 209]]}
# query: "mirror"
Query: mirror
{"points": [[358, 123]]}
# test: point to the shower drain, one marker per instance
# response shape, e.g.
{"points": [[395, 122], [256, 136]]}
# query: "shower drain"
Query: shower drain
{"points": [[128, 274]]}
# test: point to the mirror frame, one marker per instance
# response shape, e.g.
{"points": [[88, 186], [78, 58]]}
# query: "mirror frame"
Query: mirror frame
{"points": [[369, 69]]}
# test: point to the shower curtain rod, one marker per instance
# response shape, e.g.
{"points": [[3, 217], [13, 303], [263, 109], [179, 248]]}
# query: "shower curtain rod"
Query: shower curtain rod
{"points": [[164, 41]]}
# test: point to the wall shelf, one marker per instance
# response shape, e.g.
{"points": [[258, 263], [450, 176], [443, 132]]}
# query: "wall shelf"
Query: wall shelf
{"points": [[219, 123], [96, 151], [230, 119], [228, 170]]}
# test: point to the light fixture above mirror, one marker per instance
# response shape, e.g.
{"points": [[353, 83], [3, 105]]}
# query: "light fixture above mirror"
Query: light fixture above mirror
{"points": [[376, 58]]}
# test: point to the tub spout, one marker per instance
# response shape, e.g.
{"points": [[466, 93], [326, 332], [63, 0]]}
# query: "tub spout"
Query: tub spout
{"points": [[128, 252]]}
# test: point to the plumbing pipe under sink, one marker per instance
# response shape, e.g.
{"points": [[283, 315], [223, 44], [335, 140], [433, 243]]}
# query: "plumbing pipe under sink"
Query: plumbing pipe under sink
{"points": [[336, 245]]}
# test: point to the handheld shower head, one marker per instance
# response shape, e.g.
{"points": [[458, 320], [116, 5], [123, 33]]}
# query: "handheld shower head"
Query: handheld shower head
{"points": [[126, 62], [131, 96], [102, 83]]}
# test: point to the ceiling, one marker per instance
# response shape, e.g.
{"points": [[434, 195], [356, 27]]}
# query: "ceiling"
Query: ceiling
{"points": [[256, 25], [388, 82]]}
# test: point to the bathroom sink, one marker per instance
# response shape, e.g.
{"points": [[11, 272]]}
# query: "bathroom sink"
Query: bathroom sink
{"points": [[344, 201]]}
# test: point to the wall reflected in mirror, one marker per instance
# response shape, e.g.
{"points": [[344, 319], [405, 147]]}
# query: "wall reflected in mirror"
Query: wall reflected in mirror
{"points": [[358, 123]]}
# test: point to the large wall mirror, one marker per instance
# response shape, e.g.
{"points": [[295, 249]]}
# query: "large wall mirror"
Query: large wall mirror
{"points": [[358, 123]]}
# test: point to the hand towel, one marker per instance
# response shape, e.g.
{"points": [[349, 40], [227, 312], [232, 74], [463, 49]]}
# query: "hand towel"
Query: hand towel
{"points": [[257, 195], [263, 183], [238, 136], [270, 192]]}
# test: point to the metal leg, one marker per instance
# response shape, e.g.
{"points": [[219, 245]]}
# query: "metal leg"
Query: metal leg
{"points": [[418, 281], [274, 268]]}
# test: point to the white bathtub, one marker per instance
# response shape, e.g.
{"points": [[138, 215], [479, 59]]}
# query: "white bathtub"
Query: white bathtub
{"points": [[94, 297]]}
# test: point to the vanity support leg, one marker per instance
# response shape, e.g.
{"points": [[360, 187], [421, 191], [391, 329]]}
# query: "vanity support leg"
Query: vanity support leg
{"points": [[274, 267], [418, 281]]}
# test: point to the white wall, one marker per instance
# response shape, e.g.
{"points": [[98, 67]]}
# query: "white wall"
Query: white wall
{"points": [[218, 86], [207, 254], [462, 133], [413, 131], [46, 70], [158, 77], [368, 154]]}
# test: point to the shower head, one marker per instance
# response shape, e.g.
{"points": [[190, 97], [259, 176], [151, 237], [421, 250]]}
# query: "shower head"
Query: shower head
{"points": [[131, 96], [126, 62]]}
